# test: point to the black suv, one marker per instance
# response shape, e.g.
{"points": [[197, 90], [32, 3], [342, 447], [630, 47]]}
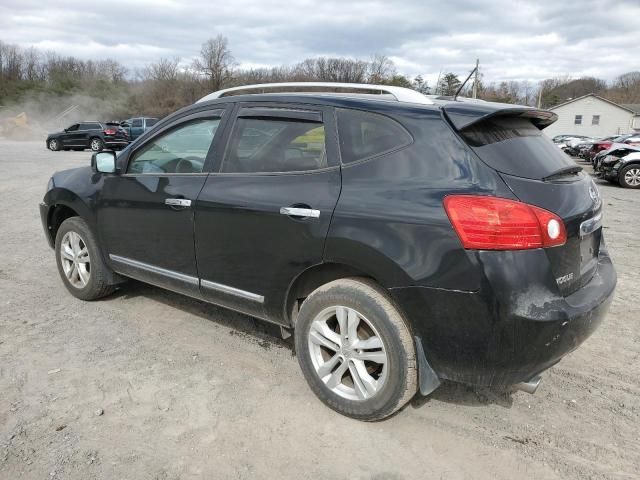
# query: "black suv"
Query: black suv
{"points": [[403, 240], [93, 135]]}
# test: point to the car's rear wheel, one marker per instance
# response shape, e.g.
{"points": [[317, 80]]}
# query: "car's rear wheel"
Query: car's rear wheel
{"points": [[355, 349], [80, 262], [54, 145], [96, 144], [630, 176]]}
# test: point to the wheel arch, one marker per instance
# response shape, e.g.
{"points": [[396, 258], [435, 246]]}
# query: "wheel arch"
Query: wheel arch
{"points": [[314, 277], [65, 204]]}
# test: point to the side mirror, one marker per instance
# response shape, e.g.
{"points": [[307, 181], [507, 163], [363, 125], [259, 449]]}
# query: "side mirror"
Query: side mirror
{"points": [[104, 162]]}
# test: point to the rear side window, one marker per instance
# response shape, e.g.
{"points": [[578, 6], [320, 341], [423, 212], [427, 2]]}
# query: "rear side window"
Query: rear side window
{"points": [[365, 134], [516, 147], [151, 121], [261, 145], [137, 122]]}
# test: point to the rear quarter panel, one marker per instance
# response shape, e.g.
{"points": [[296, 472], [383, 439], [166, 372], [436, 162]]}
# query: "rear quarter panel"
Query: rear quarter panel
{"points": [[390, 221]]}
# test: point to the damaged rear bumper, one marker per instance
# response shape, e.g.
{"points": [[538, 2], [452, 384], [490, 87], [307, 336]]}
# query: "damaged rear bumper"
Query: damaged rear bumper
{"points": [[513, 328]]}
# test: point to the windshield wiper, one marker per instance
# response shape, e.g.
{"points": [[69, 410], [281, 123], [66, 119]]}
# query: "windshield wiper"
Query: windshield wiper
{"points": [[563, 171]]}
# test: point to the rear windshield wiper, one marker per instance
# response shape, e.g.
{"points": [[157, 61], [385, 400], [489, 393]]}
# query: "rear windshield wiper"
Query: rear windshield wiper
{"points": [[563, 171]]}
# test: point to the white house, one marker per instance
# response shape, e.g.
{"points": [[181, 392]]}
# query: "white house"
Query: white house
{"points": [[594, 116]]}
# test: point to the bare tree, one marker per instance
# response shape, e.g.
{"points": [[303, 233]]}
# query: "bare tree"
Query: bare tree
{"points": [[216, 62], [381, 68]]}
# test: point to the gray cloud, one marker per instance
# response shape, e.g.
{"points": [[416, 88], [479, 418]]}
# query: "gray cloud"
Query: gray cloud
{"points": [[513, 39]]}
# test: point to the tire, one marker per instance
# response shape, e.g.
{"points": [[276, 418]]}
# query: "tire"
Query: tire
{"points": [[54, 145], [365, 304], [629, 176], [91, 284], [96, 144]]}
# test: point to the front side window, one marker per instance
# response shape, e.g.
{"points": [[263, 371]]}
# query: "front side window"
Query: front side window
{"points": [[262, 145], [578, 120], [73, 128], [180, 150], [595, 120], [365, 135]]}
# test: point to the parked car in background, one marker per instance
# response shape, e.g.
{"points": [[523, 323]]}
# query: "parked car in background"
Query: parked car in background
{"points": [[563, 138], [89, 134], [138, 125], [574, 145], [402, 239], [620, 164], [605, 144]]}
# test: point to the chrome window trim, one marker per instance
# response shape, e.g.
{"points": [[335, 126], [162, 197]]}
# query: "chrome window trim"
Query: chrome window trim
{"points": [[154, 269], [232, 291]]}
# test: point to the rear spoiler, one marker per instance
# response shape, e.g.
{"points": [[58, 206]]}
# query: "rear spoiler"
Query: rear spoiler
{"points": [[466, 115]]}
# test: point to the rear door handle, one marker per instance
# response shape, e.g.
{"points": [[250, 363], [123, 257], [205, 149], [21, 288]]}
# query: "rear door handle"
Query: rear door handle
{"points": [[300, 212], [178, 202]]}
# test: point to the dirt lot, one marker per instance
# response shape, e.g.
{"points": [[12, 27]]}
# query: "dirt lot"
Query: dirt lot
{"points": [[151, 385]]}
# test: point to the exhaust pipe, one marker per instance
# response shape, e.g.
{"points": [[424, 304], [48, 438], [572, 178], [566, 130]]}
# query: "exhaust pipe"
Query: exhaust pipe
{"points": [[529, 386]]}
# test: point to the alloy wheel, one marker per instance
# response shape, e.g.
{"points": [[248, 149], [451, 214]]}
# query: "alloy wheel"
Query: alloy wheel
{"points": [[75, 259], [348, 353], [95, 144], [53, 144], [632, 177]]}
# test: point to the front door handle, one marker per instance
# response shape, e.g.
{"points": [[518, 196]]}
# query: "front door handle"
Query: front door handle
{"points": [[300, 212], [178, 202]]}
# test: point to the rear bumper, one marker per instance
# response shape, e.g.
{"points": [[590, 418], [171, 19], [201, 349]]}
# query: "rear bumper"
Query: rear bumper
{"points": [[116, 142], [513, 328]]}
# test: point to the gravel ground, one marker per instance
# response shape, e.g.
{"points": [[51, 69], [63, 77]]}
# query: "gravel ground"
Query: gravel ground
{"points": [[148, 384]]}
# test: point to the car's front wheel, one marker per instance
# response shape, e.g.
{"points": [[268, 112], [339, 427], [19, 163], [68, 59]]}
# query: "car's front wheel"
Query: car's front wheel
{"points": [[355, 349], [630, 176], [96, 144], [80, 262], [54, 145]]}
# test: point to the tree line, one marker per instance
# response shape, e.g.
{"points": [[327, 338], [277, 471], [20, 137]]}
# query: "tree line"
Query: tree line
{"points": [[29, 75]]}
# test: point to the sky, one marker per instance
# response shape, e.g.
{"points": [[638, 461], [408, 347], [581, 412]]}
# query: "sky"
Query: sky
{"points": [[514, 40]]}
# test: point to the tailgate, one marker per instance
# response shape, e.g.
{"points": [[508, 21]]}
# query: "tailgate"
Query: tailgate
{"points": [[509, 139], [578, 204]]}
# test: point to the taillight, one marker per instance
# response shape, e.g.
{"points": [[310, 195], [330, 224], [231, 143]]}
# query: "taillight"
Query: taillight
{"points": [[492, 223], [110, 131]]}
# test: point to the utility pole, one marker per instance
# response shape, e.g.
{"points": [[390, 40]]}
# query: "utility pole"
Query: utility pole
{"points": [[475, 80], [540, 95]]}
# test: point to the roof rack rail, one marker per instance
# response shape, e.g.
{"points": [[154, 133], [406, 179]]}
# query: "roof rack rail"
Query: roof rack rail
{"points": [[401, 94]]}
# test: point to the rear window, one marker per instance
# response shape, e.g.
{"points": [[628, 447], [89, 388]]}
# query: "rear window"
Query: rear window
{"points": [[516, 147], [365, 135]]}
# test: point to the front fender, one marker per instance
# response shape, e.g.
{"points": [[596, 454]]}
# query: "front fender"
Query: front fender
{"points": [[77, 189]]}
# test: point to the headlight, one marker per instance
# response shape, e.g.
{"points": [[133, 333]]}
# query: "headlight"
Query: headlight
{"points": [[610, 159]]}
